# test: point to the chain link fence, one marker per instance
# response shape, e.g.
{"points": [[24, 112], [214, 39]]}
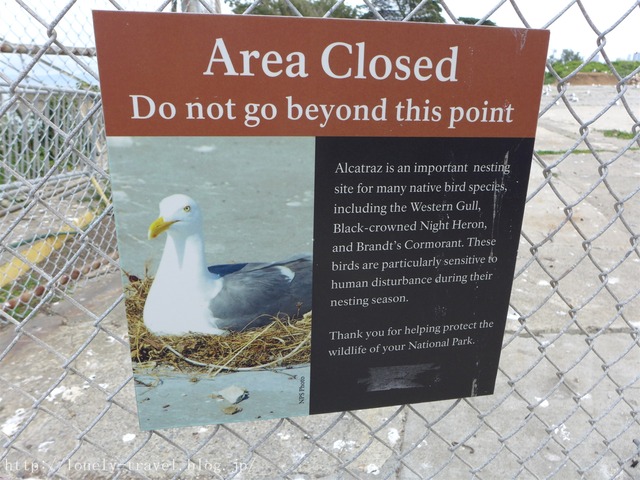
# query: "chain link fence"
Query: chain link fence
{"points": [[567, 400]]}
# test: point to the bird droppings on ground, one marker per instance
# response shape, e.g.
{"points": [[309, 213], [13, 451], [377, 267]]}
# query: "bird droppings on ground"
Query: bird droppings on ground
{"points": [[393, 435], [344, 445], [13, 423], [67, 394], [128, 437], [372, 469], [282, 343]]}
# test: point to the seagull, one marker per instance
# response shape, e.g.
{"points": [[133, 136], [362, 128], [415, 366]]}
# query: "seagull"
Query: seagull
{"points": [[186, 296]]}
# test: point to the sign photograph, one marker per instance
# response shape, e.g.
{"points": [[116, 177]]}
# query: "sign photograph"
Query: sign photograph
{"points": [[312, 218]]}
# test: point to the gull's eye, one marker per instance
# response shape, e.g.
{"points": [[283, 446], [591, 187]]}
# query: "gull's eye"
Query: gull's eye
{"points": [[187, 208]]}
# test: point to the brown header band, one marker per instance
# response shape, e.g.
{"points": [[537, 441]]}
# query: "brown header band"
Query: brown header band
{"points": [[166, 74]]}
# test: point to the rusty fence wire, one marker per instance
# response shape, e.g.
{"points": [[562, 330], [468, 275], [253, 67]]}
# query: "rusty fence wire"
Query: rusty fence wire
{"points": [[567, 401]]}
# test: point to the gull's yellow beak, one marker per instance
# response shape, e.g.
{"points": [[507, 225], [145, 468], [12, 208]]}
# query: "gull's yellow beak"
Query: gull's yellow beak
{"points": [[158, 226]]}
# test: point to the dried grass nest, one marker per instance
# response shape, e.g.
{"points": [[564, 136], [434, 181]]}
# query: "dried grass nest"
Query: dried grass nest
{"points": [[283, 342]]}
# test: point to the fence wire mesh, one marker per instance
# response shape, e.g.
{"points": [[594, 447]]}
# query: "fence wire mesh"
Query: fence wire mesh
{"points": [[567, 400]]}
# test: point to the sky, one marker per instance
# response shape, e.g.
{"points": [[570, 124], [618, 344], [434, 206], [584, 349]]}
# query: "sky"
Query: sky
{"points": [[570, 31]]}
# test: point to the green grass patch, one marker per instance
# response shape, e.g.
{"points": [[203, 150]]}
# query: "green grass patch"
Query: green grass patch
{"points": [[18, 299], [619, 134], [623, 67]]}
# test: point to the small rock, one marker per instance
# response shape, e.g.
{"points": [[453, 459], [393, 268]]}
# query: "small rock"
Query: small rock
{"points": [[231, 409], [233, 394]]}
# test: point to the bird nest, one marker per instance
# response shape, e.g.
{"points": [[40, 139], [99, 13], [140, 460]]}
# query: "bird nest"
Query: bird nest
{"points": [[283, 342]]}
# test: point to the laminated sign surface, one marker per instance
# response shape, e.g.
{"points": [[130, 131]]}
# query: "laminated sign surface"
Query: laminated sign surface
{"points": [[314, 215]]}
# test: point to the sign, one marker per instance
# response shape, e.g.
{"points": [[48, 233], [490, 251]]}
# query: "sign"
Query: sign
{"points": [[410, 158]]}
